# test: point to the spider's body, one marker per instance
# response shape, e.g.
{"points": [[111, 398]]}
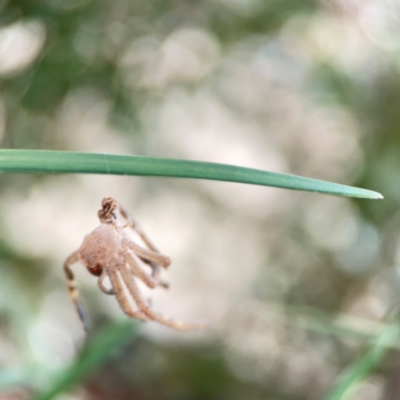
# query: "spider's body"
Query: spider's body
{"points": [[109, 252], [100, 248]]}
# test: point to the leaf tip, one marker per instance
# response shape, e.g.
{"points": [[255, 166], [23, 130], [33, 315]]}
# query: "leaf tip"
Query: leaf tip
{"points": [[369, 194]]}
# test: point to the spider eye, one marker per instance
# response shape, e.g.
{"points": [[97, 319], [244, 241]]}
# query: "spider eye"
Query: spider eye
{"points": [[96, 270]]}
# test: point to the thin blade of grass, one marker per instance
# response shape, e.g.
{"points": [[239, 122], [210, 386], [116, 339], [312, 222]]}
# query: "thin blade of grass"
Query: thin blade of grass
{"points": [[42, 161], [340, 325], [361, 369], [93, 356]]}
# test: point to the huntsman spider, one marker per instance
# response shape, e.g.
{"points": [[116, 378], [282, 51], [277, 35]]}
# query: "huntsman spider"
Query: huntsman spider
{"points": [[108, 251]]}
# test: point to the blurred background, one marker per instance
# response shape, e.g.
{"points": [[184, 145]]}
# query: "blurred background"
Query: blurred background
{"points": [[309, 87]]}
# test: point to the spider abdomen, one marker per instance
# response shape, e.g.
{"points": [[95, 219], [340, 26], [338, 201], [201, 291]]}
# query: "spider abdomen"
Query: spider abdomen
{"points": [[99, 248]]}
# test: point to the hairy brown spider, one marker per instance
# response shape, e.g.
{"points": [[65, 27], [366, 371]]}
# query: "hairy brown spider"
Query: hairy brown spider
{"points": [[109, 251]]}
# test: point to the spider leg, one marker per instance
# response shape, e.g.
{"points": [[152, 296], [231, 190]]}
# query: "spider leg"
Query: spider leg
{"points": [[150, 281], [147, 254], [73, 290], [100, 283], [155, 270], [145, 309], [122, 298], [137, 228]]}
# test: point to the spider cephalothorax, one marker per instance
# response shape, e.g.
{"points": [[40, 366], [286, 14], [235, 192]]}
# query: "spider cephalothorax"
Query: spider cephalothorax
{"points": [[109, 252]]}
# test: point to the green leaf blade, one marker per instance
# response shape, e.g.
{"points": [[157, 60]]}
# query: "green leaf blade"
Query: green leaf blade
{"points": [[361, 369], [42, 161], [94, 355]]}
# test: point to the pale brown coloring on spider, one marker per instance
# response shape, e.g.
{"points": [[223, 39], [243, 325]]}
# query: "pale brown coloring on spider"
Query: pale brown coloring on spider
{"points": [[108, 251]]}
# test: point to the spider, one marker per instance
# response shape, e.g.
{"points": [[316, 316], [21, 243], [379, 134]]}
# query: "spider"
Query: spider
{"points": [[108, 251]]}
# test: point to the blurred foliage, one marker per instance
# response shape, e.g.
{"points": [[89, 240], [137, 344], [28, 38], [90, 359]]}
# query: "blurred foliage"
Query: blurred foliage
{"points": [[304, 87], [361, 369], [84, 40], [95, 353]]}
